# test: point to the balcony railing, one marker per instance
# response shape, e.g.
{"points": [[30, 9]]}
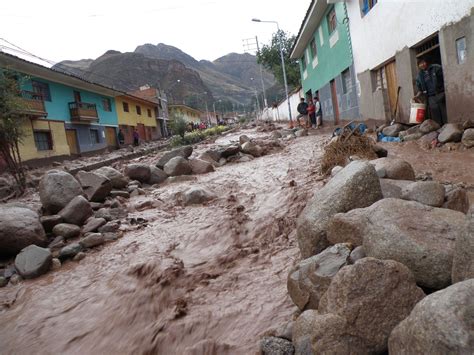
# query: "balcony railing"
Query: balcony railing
{"points": [[83, 111], [33, 104]]}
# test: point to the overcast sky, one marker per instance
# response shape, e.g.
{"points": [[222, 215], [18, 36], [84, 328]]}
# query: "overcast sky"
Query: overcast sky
{"points": [[206, 29]]}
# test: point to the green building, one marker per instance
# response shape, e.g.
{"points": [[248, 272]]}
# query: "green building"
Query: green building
{"points": [[323, 48]]}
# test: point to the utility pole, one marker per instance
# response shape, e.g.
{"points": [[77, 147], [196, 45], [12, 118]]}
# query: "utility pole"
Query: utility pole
{"points": [[251, 45], [261, 75]]}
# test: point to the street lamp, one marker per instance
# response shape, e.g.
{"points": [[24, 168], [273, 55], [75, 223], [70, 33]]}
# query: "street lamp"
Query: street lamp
{"points": [[257, 107], [282, 65]]}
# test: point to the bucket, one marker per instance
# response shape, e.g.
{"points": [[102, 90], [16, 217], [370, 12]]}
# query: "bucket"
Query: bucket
{"points": [[417, 112]]}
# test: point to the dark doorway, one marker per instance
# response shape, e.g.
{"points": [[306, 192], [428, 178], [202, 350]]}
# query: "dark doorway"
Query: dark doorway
{"points": [[77, 96]]}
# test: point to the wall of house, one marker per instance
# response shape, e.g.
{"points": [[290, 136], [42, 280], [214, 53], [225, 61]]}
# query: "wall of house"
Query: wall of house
{"points": [[458, 78], [392, 25], [281, 112], [132, 118], [28, 150], [84, 137], [62, 95], [188, 115]]}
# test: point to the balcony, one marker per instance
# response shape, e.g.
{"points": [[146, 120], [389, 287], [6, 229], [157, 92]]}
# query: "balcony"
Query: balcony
{"points": [[83, 112], [32, 104]]}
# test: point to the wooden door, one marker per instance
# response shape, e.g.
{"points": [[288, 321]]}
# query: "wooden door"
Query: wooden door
{"points": [[335, 105], [71, 137], [111, 137], [392, 85], [141, 131]]}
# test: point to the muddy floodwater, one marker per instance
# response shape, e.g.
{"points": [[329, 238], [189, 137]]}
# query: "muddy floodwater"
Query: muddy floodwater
{"points": [[203, 279]]}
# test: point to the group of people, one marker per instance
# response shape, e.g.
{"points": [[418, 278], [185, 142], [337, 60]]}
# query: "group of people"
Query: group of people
{"points": [[310, 112], [135, 136], [193, 126]]}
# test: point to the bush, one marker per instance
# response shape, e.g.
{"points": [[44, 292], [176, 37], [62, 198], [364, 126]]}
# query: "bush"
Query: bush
{"points": [[178, 125], [196, 136], [176, 141]]}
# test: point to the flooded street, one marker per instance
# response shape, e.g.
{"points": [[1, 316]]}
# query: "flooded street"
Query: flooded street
{"points": [[203, 279]]}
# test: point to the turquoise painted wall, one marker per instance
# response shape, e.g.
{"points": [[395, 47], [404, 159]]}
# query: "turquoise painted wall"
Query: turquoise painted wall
{"points": [[62, 95], [331, 61]]}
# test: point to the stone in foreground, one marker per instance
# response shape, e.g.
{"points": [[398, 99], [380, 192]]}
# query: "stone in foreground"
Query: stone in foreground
{"points": [[429, 193], [139, 172], [77, 211], [96, 186], [197, 195], [178, 166], [66, 230], [33, 261], [184, 152], [56, 189], [118, 180], [463, 260]]}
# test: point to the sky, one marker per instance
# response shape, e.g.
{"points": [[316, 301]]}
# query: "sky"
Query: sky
{"points": [[205, 29]]}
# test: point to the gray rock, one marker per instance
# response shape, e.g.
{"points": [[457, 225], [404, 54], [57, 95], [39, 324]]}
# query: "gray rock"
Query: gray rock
{"points": [[441, 323], [373, 296], [457, 200], [395, 168], [76, 211], [115, 193], [357, 185], [96, 186], [409, 132], [276, 346], [419, 236], [118, 180], [3, 281], [110, 237], [57, 189], [301, 133], [15, 279], [335, 170], [110, 214], [276, 134], [357, 254], [243, 139], [469, 123], [19, 227], [157, 176], [96, 205], [79, 256], [463, 261], [178, 166], [393, 188], [252, 149], [33, 261], [93, 224], [183, 152], [211, 156], [66, 230], [412, 137], [285, 331], [199, 166], [468, 138], [429, 126], [393, 130], [69, 251], [450, 132], [140, 172], [55, 264], [427, 139], [49, 222], [57, 243], [92, 240], [345, 228], [429, 193], [109, 227], [222, 161], [309, 280], [381, 152], [197, 195], [229, 151]]}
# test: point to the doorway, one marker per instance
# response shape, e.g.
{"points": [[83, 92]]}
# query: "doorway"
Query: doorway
{"points": [[111, 137], [71, 137], [335, 105], [392, 87], [77, 96]]}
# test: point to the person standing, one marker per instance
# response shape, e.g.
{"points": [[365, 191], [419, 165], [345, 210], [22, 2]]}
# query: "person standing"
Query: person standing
{"points": [[302, 109], [319, 112], [136, 138], [430, 83], [311, 114], [120, 136]]}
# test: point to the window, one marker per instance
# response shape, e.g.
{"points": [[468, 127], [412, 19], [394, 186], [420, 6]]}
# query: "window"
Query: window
{"points": [[346, 81], [367, 5], [148, 111], [461, 50], [106, 105], [303, 62], [77, 96], [313, 48], [95, 138], [381, 80], [43, 140], [139, 110], [125, 107], [42, 89], [332, 20]]}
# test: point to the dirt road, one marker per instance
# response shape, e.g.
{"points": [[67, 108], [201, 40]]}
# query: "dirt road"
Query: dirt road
{"points": [[196, 280]]}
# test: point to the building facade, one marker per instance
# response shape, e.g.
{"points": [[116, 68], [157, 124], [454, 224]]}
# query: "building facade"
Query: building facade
{"points": [[388, 37], [323, 48], [188, 113]]}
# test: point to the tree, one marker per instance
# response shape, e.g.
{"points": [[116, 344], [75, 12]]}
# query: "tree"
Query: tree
{"points": [[178, 124], [269, 56], [11, 126]]}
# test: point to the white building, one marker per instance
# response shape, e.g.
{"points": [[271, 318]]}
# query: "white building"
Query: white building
{"points": [[280, 113]]}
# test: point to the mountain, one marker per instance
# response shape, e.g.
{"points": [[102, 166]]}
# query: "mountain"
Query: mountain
{"points": [[232, 78]]}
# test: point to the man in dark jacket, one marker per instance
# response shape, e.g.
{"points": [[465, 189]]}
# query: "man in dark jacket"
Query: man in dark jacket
{"points": [[302, 109], [430, 83]]}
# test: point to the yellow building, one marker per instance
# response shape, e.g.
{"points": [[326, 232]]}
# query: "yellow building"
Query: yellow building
{"points": [[136, 113], [188, 113]]}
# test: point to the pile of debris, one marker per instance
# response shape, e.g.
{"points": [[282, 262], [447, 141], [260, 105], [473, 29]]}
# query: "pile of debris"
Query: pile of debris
{"points": [[387, 266]]}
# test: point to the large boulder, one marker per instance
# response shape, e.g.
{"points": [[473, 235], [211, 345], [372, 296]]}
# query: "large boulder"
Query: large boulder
{"points": [[211, 156], [457, 200], [183, 152], [355, 186], [19, 227], [66, 230], [394, 168], [77, 211], [429, 126], [139, 172], [57, 189], [450, 132], [252, 149], [49, 222], [463, 260], [157, 176], [419, 236], [118, 180], [393, 130], [229, 151], [244, 139], [96, 186], [197, 195], [468, 138], [92, 240], [393, 188], [373, 296], [93, 224], [429, 193], [178, 166], [442, 323], [201, 166], [33, 261], [308, 280]]}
